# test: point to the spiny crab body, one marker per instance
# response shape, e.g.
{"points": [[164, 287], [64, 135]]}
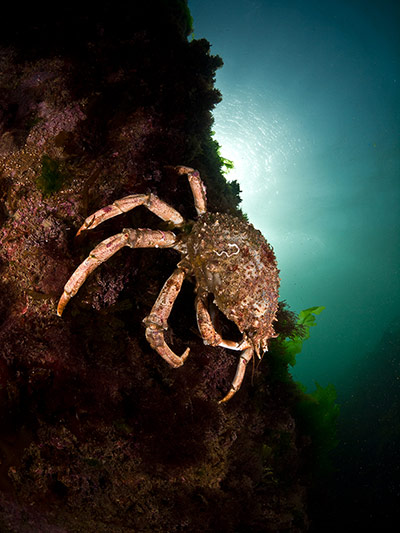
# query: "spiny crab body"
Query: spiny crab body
{"points": [[228, 258]]}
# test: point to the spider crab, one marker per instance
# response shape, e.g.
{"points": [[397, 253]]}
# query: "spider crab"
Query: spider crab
{"points": [[228, 259]]}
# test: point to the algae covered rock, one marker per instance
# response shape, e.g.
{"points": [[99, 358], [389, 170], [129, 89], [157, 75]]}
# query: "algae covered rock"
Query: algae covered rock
{"points": [[98, 433]]}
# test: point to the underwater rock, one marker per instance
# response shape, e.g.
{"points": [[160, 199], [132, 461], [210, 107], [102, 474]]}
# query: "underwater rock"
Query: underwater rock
{"points": [[99, 434]]}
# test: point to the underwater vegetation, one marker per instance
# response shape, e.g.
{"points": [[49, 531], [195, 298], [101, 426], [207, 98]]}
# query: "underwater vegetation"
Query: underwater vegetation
{"points": [[98, 433], [317, 413], [293, 344], [226, 164], [51, 177]]}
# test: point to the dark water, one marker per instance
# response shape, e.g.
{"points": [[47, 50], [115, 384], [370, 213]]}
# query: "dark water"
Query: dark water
{"points": [[311, 120]]}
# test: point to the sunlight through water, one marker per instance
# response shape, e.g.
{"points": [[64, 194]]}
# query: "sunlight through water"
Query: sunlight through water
{"points": [[310, 118], [260, 135]]}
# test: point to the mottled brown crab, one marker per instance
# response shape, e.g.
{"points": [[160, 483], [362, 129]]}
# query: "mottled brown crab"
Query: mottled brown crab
{"points": [[228, 258]]}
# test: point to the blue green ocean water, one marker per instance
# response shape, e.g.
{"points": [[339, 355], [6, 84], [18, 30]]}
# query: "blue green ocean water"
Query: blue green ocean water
{"points": [[310, 118]]}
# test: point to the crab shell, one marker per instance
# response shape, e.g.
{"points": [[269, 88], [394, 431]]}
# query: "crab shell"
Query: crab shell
{"points": [[231, 260]]}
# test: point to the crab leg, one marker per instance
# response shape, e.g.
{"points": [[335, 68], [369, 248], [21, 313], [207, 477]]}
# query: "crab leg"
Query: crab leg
{"points": [[135, 238], [209, 334], [245, 357], [123, 205], [156, 321], [197, 186]]}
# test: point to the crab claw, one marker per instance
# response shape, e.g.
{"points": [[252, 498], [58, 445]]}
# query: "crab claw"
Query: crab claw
{"points": [[245, 357], [155, 337], [156, 322]]}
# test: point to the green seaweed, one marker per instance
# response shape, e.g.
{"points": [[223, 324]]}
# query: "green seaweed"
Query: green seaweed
{"points": [[317, 415], [51, 178], [294, 344], [226, 165]]}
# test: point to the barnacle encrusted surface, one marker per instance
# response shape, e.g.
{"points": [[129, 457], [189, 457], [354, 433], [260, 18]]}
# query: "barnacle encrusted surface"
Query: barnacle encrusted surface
{"points": [[234, 262]]}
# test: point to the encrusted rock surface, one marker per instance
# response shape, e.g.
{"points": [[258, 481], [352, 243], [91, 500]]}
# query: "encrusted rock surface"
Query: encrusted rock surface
{"points": [[98, 433]]}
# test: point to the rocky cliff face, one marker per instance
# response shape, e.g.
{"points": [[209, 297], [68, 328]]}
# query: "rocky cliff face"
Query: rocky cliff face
{"points": [[99, 434]]}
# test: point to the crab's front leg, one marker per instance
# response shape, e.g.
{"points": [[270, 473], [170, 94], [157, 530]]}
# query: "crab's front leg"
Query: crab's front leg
{"points": [[134, 238], [156, 321], [123, 205], [210, 336]]}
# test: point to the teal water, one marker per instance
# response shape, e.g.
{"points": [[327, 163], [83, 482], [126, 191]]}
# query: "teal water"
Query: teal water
{"points": [[311, 119]]}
